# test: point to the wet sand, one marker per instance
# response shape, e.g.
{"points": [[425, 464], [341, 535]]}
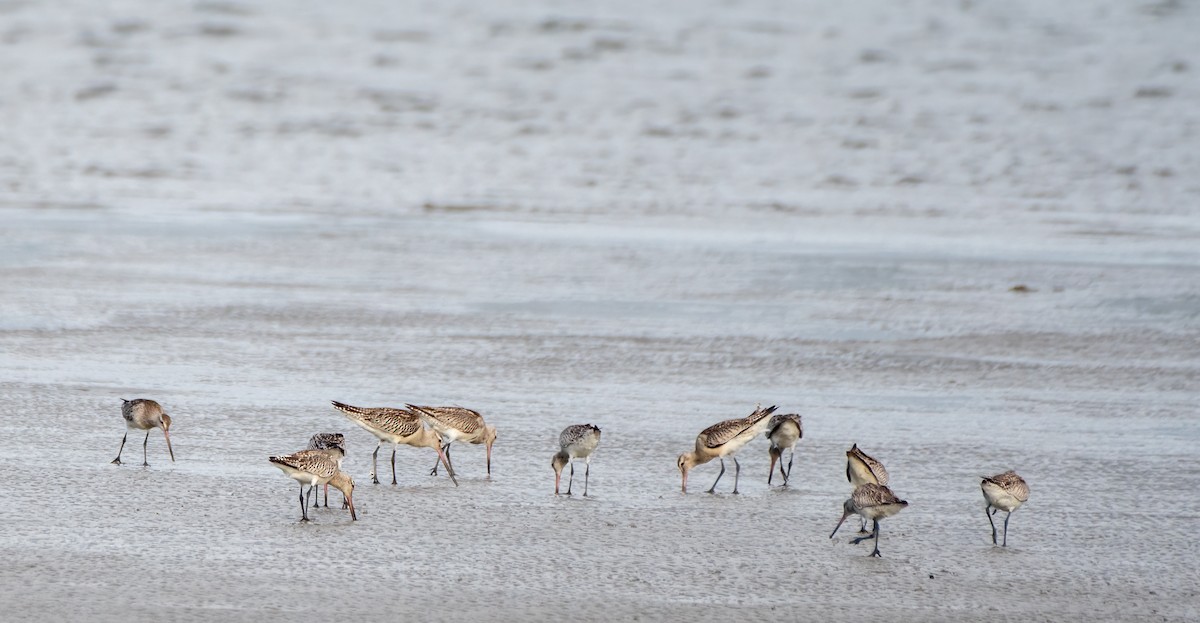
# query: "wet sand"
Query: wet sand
{"points": [[964, 237]]}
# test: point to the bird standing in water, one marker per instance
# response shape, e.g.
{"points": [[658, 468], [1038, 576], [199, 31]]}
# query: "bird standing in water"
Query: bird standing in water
{"points": [[334, 446], [1006, 492], [315, 468], [721, 440], [784, 431], [575, 442], [862, 469], [874, 502], [457, 424], [144, 414]]}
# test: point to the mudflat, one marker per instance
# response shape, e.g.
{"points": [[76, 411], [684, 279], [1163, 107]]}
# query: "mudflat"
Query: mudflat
{"points": [[962, 236]]}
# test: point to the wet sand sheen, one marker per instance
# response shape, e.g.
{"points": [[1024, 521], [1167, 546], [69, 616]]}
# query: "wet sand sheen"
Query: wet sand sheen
{"points": [[641, 251]]}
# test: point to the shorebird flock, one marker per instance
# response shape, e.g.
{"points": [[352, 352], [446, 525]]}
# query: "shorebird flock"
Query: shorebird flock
{"points": [[320, 464]]}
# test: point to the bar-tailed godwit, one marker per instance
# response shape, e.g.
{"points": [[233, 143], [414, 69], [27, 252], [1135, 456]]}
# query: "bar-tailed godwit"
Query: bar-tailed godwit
{"points": [[458, 424], [334, 445], [394, 426], [874, 502], [861, 469], [721, 440], [784, 431], [314, 468], [575, 442], [144, 414], [1006, 492]]}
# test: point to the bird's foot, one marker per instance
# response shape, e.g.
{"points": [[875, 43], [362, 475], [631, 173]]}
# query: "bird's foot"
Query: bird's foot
{"points": [[876, 554], [116, 461], [145, 464], [374, 480]]}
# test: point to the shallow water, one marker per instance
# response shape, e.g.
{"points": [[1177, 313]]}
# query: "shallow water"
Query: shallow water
{"points": [[650, 219]]}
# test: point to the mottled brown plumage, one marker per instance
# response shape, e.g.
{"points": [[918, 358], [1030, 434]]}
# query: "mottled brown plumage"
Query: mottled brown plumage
{"points": [[721, 440], [461, 419], [458, 424], [334, 445], [575, 442], [861, 468], [144, 414], [1006, 492], [395, 422], [315, 468], [874, 502], [784, 431], [394, 426]]}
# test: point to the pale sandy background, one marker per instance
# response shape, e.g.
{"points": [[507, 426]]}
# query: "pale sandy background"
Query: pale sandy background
{"points": [[649, 216]]}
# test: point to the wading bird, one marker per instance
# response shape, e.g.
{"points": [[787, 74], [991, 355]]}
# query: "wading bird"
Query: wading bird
{"points": [[334, 446], [314, 468], [874, 502], [721, 440], [861, 469], [784, 431], [144, 414], [1006, 492], [394, 426], [458, 424], [575, 442]]}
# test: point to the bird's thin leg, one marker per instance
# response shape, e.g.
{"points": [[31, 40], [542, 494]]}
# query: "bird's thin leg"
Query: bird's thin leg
{"points": [[713, 489], [117, 461], [993, 523], [303, 510], [788, 475], [144, 442], [586, 471], [375, 463], [1006, 528], [308, 496], [737, 471], [571, 479], [393, 464], [326, 495], [862, 528], [771, 469], [875, 552]]}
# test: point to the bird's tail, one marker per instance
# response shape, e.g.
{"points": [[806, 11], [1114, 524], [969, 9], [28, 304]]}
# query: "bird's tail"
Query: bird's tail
{"points": [[349, 410]]}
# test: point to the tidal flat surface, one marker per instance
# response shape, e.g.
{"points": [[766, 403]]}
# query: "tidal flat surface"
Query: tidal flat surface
{"points": [[963, 236]]}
